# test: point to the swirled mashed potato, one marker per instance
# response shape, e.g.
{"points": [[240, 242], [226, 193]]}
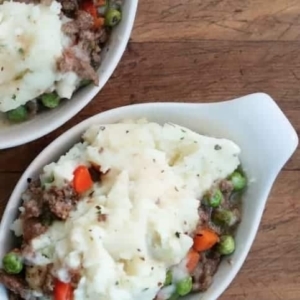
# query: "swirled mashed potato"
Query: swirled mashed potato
{"points": [[149, 197], [31, 41]]}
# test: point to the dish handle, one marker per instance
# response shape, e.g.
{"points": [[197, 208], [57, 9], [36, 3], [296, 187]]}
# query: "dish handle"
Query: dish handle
{"points": [[273, 138]]}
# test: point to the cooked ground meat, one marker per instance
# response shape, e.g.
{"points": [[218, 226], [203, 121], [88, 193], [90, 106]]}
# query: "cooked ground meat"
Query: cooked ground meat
{"points": [[205, 219], [40, 278], [32, 228], [60, 201], [60, 207], [32, 107], [38, 201], [79, 63], [89, 42], [32, 200], [210, 260], [70, 28], [203, 274], [14, 283], [226, 186], [84, 58], [41, 205], [48, 285], [204, 215], [32, 208], [13, 296], [26, 250], [69, 7], [84, 20], [75, 277]]}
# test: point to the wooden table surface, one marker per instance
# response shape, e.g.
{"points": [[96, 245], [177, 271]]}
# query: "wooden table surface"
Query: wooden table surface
{"points": [[204, 51]]}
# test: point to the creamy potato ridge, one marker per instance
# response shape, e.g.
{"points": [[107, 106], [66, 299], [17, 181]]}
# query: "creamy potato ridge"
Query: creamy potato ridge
{"points": [[155, 176]]}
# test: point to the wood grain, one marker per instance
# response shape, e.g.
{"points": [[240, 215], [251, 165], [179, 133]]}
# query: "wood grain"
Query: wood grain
{"points": [[207, 51], [254, 20]]}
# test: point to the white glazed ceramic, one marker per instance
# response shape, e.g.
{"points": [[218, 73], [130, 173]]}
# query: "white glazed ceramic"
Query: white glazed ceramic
{"points": [[254, 122], [17, 134]]}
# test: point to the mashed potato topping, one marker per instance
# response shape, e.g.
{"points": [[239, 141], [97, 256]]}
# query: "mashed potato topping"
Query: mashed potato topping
{"points": [[137, 221], [31, 41]]}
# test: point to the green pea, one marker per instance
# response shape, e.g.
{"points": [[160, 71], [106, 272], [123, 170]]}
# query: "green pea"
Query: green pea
{"points": [[184, 286], [238, 180], [50, 100], [215, 199], [225, 217], [112, 17], [169, 278], [226, 245], [12, 263], [18, 114]]}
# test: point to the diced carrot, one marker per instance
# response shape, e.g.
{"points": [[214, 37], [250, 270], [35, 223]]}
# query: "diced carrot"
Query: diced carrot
{"points": [[82, 180], [90, 8], [62, 291], [98, 22], [193, 258], [100, 2], [205, 239]]}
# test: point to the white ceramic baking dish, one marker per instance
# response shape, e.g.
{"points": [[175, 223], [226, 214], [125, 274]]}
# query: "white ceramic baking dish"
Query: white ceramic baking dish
{"points": [[43, 123], [254, 122]]}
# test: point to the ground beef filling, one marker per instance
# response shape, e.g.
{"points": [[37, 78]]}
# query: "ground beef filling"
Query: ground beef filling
{"points": [[85, 57], [204, 272], [41, 206], [39, 278], [69, 7], [16, 284], [210, 260]]}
